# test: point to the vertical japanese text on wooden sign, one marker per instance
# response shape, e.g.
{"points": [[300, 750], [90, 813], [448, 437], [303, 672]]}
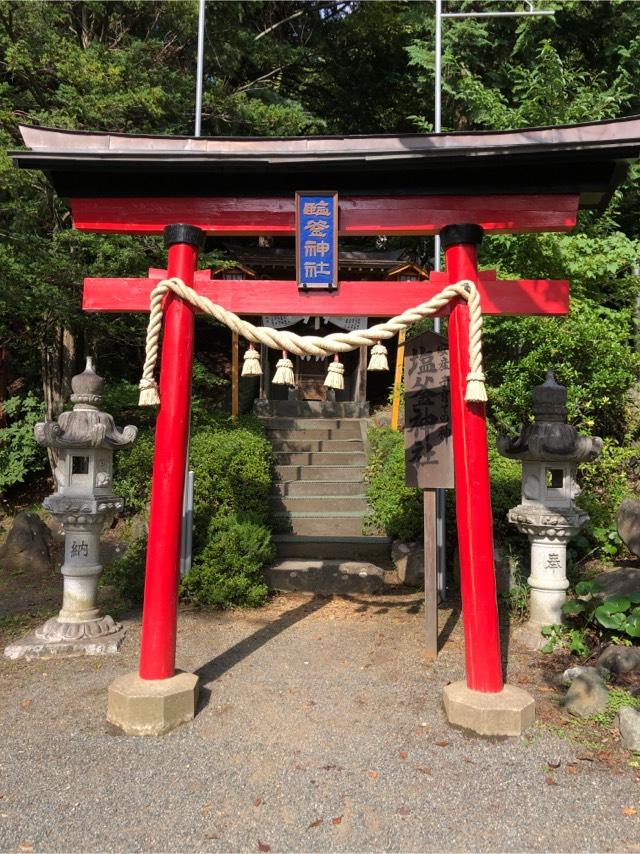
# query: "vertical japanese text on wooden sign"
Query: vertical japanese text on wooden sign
{"points": [[317, 240], [427, 429]]}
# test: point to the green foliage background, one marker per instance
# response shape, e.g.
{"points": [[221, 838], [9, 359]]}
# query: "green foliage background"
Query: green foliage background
{"points": [[275, 67]]}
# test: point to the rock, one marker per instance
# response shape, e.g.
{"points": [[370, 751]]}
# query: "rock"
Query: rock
{"points": [[27, 546], [629, 524], [587, 694], [628, 722], [619, 659], [409, 562], [619, 582], [572, 673], [382, 418]]}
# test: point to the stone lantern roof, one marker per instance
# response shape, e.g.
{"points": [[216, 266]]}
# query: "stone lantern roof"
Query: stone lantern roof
{"points": [[550, 437], [85, 426]]}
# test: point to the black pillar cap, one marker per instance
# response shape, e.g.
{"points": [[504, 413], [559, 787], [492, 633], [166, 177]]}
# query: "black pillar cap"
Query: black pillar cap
{"points": [[183, 233], [451, 235]]}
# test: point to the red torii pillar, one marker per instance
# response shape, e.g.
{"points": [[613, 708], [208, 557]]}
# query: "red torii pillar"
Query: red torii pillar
{"points": [[473, 490], [159, 615], [156, 699]]}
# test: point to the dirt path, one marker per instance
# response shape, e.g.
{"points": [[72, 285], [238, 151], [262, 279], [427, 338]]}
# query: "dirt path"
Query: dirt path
{"points": [[320, 729]]}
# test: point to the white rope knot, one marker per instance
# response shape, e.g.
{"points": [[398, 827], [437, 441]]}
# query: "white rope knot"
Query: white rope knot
{"points": [[251, 366], [476, 388], [378, 360], [284, 371], [315, 345], [335, 374], [149, 392]]}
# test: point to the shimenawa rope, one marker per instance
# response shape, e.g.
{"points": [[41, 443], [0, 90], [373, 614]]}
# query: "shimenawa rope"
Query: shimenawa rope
{"points": [[313, 345]]}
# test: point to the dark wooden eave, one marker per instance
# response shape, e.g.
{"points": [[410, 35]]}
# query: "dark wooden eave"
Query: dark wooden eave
{"points": [[587, 159]]}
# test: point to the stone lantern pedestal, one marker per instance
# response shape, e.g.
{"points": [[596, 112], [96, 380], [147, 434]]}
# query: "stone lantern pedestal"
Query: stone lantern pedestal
{"points": [[550, 450], [84, 440]]}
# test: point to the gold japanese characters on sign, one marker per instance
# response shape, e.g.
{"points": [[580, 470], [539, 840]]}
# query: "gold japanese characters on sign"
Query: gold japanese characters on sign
{"points": [[317, 240]]}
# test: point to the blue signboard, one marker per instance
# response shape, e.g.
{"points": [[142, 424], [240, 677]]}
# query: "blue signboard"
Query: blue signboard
{"points": [[317, 240]]}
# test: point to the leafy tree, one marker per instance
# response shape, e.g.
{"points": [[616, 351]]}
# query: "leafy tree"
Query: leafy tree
{"points": [[129, 67], [275, 67]]}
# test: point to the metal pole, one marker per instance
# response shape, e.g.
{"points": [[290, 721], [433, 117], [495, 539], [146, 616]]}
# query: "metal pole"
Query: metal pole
{"points": [[532, 14], [441, 549], [437, 126], [438, 81], [200, 68], [186, 535]]}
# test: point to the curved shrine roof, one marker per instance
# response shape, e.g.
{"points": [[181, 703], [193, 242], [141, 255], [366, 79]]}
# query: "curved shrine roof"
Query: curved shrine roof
{"points": [[589, 159]]}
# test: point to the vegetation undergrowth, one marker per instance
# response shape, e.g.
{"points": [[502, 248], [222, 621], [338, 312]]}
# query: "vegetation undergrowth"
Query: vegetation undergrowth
{"points": [[618, 698], [396, 508], [15, 625], [594, 620], [232, 465]]}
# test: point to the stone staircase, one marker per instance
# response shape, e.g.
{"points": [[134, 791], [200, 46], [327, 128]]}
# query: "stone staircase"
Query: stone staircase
{"points": [[319, 498]]}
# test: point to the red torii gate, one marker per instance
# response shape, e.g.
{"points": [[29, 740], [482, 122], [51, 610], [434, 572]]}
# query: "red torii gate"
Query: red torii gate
{"points": [[258, 297], [458, 217]]}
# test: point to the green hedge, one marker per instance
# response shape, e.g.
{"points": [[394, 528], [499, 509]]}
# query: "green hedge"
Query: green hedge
{"points": [[397, 509], [228, 569], [232, 464]]}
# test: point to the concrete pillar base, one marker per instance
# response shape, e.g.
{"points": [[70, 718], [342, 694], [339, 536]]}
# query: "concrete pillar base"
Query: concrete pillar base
{"points": [[151, 706], [508, 712]]}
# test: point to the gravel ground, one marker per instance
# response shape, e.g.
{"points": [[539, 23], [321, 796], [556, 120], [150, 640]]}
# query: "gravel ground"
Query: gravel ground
{"points": [[320, 729]]}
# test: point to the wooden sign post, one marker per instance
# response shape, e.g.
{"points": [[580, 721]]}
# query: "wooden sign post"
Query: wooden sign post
{"points": [[428, 450]]}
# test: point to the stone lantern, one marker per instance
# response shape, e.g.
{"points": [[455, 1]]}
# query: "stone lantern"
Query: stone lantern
{"points": [[549, 450], [84, 440]]}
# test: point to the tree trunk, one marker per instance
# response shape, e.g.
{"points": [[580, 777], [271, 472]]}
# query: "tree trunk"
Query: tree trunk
{"points": [[4, 381], [58, 366]]}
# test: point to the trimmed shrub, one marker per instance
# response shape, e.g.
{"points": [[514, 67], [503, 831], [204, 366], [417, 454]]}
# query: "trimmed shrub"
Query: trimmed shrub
{"points": [[395, 508], [126, 575], [506, 492], [228, 570], [231, 535], [232, 466], [132, 473]]}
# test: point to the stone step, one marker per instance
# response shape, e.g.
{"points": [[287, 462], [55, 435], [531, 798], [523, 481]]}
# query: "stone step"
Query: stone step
{"points": [[320, 458], [302, 488], [345, 523], [276, 436], [325, 576], [318, 503], [311, 408], [296, 445], [346, 473], [374, 549], [349, 425]]}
